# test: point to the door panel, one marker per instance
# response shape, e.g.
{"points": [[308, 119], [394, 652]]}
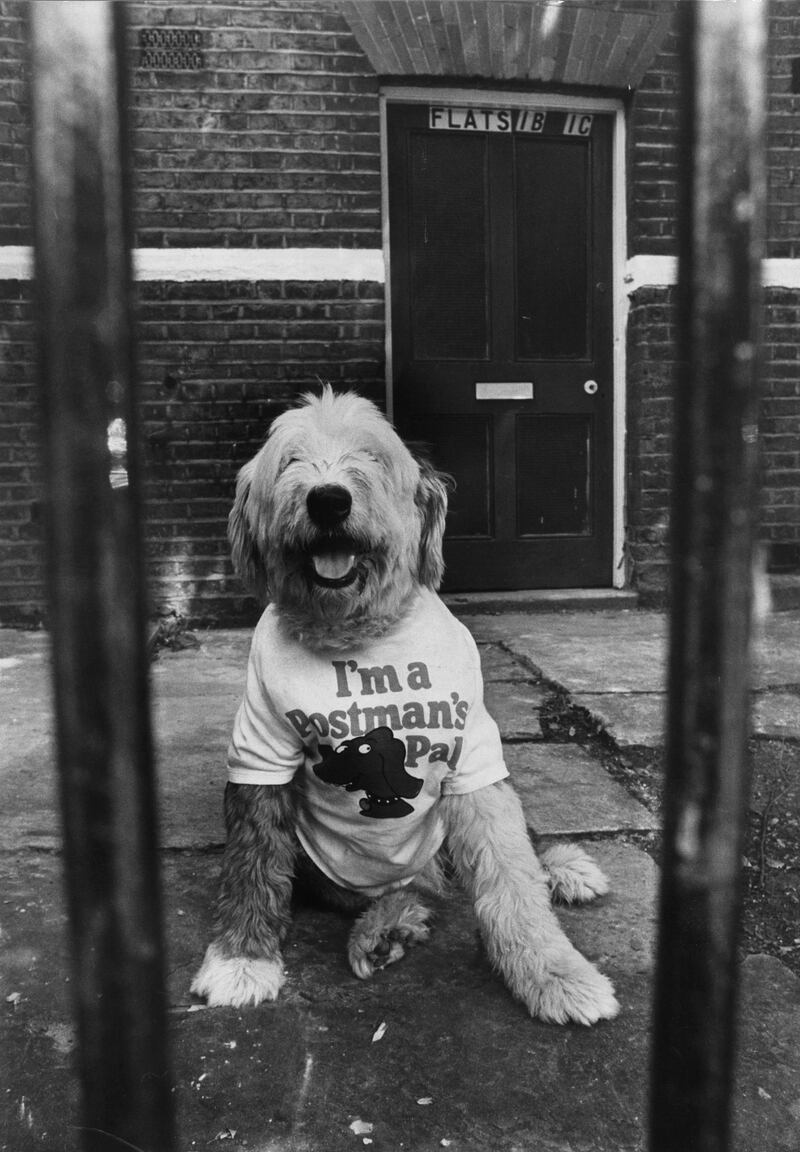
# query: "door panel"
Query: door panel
{"points": [[465, 442], [554, 478], [449, 284], [501, 261], [551, 235]]}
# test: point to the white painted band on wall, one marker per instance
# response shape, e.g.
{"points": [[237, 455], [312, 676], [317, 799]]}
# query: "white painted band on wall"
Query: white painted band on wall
{"points": [[16, 262], [650, 272], [216, 264], [353, 264], [781, 273], [662, 271]]}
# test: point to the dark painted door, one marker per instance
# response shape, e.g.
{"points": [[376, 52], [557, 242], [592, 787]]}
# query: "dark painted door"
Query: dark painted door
{"points": [[501, 306]]}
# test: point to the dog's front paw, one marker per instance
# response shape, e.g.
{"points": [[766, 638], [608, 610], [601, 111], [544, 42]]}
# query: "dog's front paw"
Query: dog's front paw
{"points": [[573, 875], [381, 935], [566, 988], [235, 981]]}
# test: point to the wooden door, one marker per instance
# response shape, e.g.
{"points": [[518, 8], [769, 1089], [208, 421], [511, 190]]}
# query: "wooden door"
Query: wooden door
{"points": [[501, 304]]}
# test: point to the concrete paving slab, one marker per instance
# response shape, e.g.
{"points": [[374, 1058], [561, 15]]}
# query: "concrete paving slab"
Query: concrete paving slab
{"points": [[218, 663], [563, 789], [297, 1075], [640, 718], [17, 645], [191, 737], [566, 791], [28, 786], [767, 1090], [629, 718], [626, 651], [586, 652], [515, 706], [195, 695], [777, 714], [499, 665], [458, 1060], [777, 651], [596, 657], [619, 930]]}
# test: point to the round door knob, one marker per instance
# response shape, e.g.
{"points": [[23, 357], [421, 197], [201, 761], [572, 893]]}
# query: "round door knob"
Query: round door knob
{"points": [[590, 387]]}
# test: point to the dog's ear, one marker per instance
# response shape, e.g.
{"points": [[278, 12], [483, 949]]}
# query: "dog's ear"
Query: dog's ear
{"points": [[247, 559], [431, 501]]}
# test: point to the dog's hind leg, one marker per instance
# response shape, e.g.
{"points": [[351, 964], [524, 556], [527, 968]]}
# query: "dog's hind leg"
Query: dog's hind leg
{"points": [[243, 962], [573, 876], [492, 852], [381, 935]]}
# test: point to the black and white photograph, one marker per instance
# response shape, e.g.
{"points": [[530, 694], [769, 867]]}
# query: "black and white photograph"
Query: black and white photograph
{"points": [[400, 575]]}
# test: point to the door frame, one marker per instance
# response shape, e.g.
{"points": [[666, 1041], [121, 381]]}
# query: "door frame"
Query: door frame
{"points": [[396, 94]]}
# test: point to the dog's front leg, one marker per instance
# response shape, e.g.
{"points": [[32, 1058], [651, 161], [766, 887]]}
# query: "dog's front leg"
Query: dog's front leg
{"points": [[243, 962], [493, 855]]}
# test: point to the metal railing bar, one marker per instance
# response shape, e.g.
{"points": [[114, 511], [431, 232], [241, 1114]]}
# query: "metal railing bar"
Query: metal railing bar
{"points": [[713, 545], [96, 583]]}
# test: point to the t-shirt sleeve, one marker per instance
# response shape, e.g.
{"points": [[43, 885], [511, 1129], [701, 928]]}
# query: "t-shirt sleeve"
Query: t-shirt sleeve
{"points": [[481, 761], [264, 748]]}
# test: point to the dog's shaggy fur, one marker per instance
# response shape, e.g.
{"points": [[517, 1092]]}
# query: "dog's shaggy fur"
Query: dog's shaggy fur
{"points": [[333, 588], [396, 519]]}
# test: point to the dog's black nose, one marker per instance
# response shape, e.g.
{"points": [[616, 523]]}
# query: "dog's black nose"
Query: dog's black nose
{"points": [[328, 505]]}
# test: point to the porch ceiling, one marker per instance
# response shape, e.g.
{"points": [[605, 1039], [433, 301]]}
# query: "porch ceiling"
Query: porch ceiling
{"points": [[608, 43]]}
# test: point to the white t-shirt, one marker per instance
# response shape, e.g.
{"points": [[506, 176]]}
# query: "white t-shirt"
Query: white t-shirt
{"points": [[376, 737]]}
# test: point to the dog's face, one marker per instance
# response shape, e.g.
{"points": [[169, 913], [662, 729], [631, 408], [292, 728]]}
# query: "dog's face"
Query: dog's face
{"points": [[335, 520]]}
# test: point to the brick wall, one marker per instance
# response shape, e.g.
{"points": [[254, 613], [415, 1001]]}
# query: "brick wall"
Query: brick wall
{"points": [[651, 365], [274, 143], [652, 220], [217, 363], [14, 126], [21, 569], [653, 157], [783, 131], [779, 427]]}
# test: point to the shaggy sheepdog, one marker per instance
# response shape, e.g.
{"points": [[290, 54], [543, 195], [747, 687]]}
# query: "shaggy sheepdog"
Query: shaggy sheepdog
{"points": [[362, 750]]}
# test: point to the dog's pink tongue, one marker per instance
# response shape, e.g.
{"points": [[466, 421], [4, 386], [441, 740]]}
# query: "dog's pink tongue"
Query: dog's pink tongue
{"points": [[333, 565]]}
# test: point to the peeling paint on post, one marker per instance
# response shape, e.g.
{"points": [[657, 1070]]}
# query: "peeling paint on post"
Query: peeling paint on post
{"points": [[713, 540], [97, 594]]}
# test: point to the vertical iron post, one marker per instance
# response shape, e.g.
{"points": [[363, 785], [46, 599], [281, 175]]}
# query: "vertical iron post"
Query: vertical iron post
{"points": [[96, 585], [713, 541]]}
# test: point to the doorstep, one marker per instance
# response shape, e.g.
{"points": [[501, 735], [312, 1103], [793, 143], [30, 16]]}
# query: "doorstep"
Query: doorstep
{"points": [[541, 600]]}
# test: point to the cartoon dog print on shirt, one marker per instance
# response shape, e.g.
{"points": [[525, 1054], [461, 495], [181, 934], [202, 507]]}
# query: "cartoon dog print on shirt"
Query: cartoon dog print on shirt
{"points": [[375, 764]]}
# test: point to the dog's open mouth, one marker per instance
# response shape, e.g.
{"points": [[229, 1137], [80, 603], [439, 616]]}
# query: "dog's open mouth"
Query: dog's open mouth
{"points": [[334, 567]]}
